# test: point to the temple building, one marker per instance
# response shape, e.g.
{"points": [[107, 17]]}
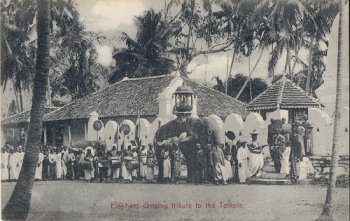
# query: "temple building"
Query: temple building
{"points": [[137, 105]]}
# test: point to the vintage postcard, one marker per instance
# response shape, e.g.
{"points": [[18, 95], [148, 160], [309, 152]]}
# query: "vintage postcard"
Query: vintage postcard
{"points": [[174, 110]]}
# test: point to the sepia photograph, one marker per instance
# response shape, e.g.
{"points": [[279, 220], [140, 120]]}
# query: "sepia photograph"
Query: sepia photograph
{"points": [[174, 110]]}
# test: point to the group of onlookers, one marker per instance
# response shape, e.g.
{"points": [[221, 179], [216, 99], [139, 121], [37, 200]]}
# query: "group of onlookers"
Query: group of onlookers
{"points": [[290, 146], [213, 163], [11, 162]]}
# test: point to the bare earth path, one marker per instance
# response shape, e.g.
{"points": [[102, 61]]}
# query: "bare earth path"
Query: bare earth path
{"points": [[68, 200]]}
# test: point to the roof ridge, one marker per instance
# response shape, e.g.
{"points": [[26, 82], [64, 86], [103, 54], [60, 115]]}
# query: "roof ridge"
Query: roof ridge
{"points": [[303, 91], [150, 77], [280, 92], [103, 89], [264, 92], [214, 90], [14, 115]]}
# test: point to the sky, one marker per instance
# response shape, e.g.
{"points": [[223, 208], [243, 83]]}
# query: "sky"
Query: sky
{"points": [[112, 17]]}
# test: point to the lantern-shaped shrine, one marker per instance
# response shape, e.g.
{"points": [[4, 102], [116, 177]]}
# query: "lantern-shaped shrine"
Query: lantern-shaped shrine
{"points": [[184, 97]]}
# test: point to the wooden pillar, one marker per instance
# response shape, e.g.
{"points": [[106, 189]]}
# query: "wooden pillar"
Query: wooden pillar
{"points": [[53, 129], [45, 135], [69, 135], [86, 130]]}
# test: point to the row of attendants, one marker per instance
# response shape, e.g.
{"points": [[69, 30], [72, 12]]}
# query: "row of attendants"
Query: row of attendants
{"points": [[213, 163], [90, 163]]}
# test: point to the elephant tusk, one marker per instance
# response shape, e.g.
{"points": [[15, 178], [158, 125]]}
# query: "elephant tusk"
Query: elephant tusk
{"points": [[186, 138]]}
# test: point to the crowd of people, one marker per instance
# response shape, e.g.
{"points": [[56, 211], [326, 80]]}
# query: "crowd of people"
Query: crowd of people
{"points": [[213, 163], [290, 146], [217, 164]]}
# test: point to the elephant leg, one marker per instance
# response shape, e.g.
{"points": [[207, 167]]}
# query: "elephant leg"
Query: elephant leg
{"points": [[160, 168], [190, 168]]}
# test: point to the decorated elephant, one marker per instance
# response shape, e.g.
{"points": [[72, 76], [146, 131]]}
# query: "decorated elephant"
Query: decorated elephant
{"points": [[190, 132]]}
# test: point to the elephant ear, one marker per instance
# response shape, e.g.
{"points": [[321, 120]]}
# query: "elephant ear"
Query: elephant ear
{"points": [[212, 128]]}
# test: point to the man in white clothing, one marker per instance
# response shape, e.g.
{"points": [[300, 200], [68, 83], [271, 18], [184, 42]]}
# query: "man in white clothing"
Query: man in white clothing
{"points": [[4, 164]]}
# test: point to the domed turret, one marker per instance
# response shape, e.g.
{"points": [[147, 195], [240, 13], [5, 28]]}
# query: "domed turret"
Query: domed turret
{"points": [[184, 97]]}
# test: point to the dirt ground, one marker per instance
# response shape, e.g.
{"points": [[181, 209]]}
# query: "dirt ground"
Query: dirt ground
{"points": [[70, 200]]}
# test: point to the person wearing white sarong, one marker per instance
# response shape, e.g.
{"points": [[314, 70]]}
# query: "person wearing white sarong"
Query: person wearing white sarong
{"points": [[20, 158], [166, 163], [242, 159], [135, 159], [143, 162], [64, 162], [228, 166], [256, 160], [4, 165], [217, 161], [87, 158], [116, 170], [126, 174], [285, 155], [52, 165], [58, 164], [39, 167], [150, 163], [14, 165]]}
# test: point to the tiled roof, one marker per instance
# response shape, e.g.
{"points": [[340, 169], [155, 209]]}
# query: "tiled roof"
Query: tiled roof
{"points": [[23, 117], [140, 96], [283, 94]]}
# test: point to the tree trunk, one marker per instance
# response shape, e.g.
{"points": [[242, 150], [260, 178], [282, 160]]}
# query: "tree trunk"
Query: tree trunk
{"points": [[308, 77], [20, 96], [17, 207], [190, 27], [327, 213], [16, 96], [250, 74]]}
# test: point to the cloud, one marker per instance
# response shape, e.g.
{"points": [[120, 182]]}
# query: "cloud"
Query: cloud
{"points": [[110, 14], [104, 55]]}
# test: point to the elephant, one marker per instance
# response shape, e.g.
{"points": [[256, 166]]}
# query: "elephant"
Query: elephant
{"points": [[202, 130]]}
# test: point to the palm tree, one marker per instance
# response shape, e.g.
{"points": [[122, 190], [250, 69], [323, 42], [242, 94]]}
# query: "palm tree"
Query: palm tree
{"points": [[144, 56], [327, 213], [17, 207], [286, 20], [17, 49], [316, 31]]}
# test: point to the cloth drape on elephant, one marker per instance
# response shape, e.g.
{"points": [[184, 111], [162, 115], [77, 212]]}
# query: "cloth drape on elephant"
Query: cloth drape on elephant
{"points": [[177, 163]]}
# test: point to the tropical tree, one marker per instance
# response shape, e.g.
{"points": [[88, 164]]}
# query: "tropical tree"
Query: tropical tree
{"points": [[74, 62], [200, 31], [16, 47], [327, 212], [70, 42], [300, 25], [145, 55], [17, 207], [257, 86]]}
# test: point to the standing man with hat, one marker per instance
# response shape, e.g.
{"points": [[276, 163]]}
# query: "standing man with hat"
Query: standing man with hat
{"points": [[242, 159], [199, 165], [218, 163], [143, 162], [256, 157], [308, 136]]}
